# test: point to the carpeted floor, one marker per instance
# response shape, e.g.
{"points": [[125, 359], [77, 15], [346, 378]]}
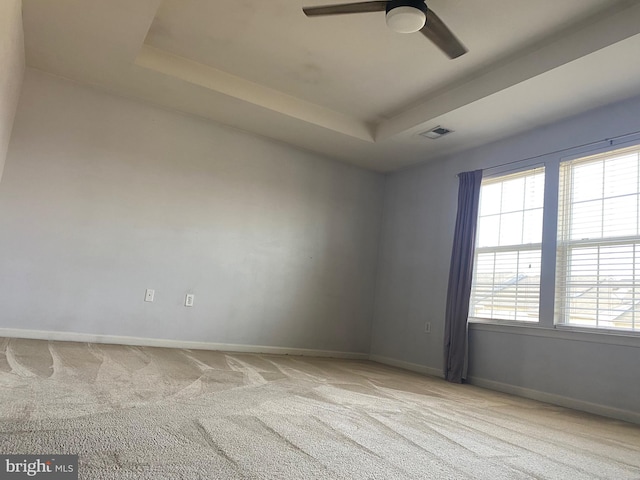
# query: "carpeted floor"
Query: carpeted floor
{"points": [[150, 413]]}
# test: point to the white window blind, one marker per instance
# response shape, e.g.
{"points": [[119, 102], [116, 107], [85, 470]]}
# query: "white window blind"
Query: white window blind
{"points": [[598, 251], [506, 278]]}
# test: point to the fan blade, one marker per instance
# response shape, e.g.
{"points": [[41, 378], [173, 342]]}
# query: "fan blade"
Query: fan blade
{"points": [[436, 31], [362, 7]]}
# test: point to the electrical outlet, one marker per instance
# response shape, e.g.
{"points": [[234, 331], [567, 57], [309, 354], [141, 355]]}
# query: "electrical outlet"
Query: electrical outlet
{"points": [[148, 295], [188, 300], [427, 327]]}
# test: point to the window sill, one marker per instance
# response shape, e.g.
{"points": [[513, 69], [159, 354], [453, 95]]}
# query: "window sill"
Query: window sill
{"points": [[562, 332]]}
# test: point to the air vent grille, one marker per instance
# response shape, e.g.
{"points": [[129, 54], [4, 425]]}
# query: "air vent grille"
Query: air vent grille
{"points": [[436, 132]]}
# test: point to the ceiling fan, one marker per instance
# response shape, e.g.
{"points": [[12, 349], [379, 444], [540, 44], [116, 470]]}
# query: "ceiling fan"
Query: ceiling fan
{"points": [[403, 16]]}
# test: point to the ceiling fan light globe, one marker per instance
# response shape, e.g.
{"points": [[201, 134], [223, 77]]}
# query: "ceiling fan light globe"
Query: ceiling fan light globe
{"points": [[406, 19]]}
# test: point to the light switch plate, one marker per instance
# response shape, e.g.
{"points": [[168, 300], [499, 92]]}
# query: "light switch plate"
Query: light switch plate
{"points": [[188, 300]]}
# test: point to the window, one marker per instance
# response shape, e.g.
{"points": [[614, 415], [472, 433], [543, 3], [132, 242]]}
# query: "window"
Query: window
{"points": [[598, 259], [506, 283], [587, 273]]}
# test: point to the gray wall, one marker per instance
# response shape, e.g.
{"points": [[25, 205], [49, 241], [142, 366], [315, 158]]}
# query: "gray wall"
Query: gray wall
{"points": [[418, 222], [11, 69], [104, 197]]}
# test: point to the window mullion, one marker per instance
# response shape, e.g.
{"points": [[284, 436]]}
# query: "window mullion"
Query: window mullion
{"points": [[493, 283], [549, 244], [633, 290]]}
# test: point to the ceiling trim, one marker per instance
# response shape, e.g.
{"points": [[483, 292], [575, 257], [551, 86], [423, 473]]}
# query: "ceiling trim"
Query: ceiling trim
{"points": [[222, 82]]}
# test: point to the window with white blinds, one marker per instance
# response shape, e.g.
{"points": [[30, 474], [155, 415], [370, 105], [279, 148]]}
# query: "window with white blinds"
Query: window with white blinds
{"points": [[506, 279], [598, 248]]}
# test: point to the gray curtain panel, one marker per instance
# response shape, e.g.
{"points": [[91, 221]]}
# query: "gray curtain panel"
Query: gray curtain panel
{"points": [[460, 276]]}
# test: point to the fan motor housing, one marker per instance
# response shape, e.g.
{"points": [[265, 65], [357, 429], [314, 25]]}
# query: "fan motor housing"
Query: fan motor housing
{"points": [[419, 4]]}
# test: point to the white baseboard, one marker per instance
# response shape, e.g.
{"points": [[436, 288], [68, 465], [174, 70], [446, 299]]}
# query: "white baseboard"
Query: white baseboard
{"points": [[597, 409], [414, 367], [568, 402], [166, 343]]}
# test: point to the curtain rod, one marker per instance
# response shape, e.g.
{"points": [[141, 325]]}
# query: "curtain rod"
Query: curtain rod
{"points": [[609, 140]]}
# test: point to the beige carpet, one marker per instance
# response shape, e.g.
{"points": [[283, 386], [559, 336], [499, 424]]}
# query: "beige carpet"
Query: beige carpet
{"points": [[149, 413]]}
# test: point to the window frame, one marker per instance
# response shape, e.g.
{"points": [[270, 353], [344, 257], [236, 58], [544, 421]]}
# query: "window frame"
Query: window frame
{"points": [[521, 247], [565, 244], [548, 319]]}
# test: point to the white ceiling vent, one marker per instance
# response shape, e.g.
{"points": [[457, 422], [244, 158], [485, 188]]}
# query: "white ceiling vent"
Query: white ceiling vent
{"points": [[436, 132]]}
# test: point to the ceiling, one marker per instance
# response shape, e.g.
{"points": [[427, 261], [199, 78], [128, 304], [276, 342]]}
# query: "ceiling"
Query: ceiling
{"points": [[347, 86]]}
